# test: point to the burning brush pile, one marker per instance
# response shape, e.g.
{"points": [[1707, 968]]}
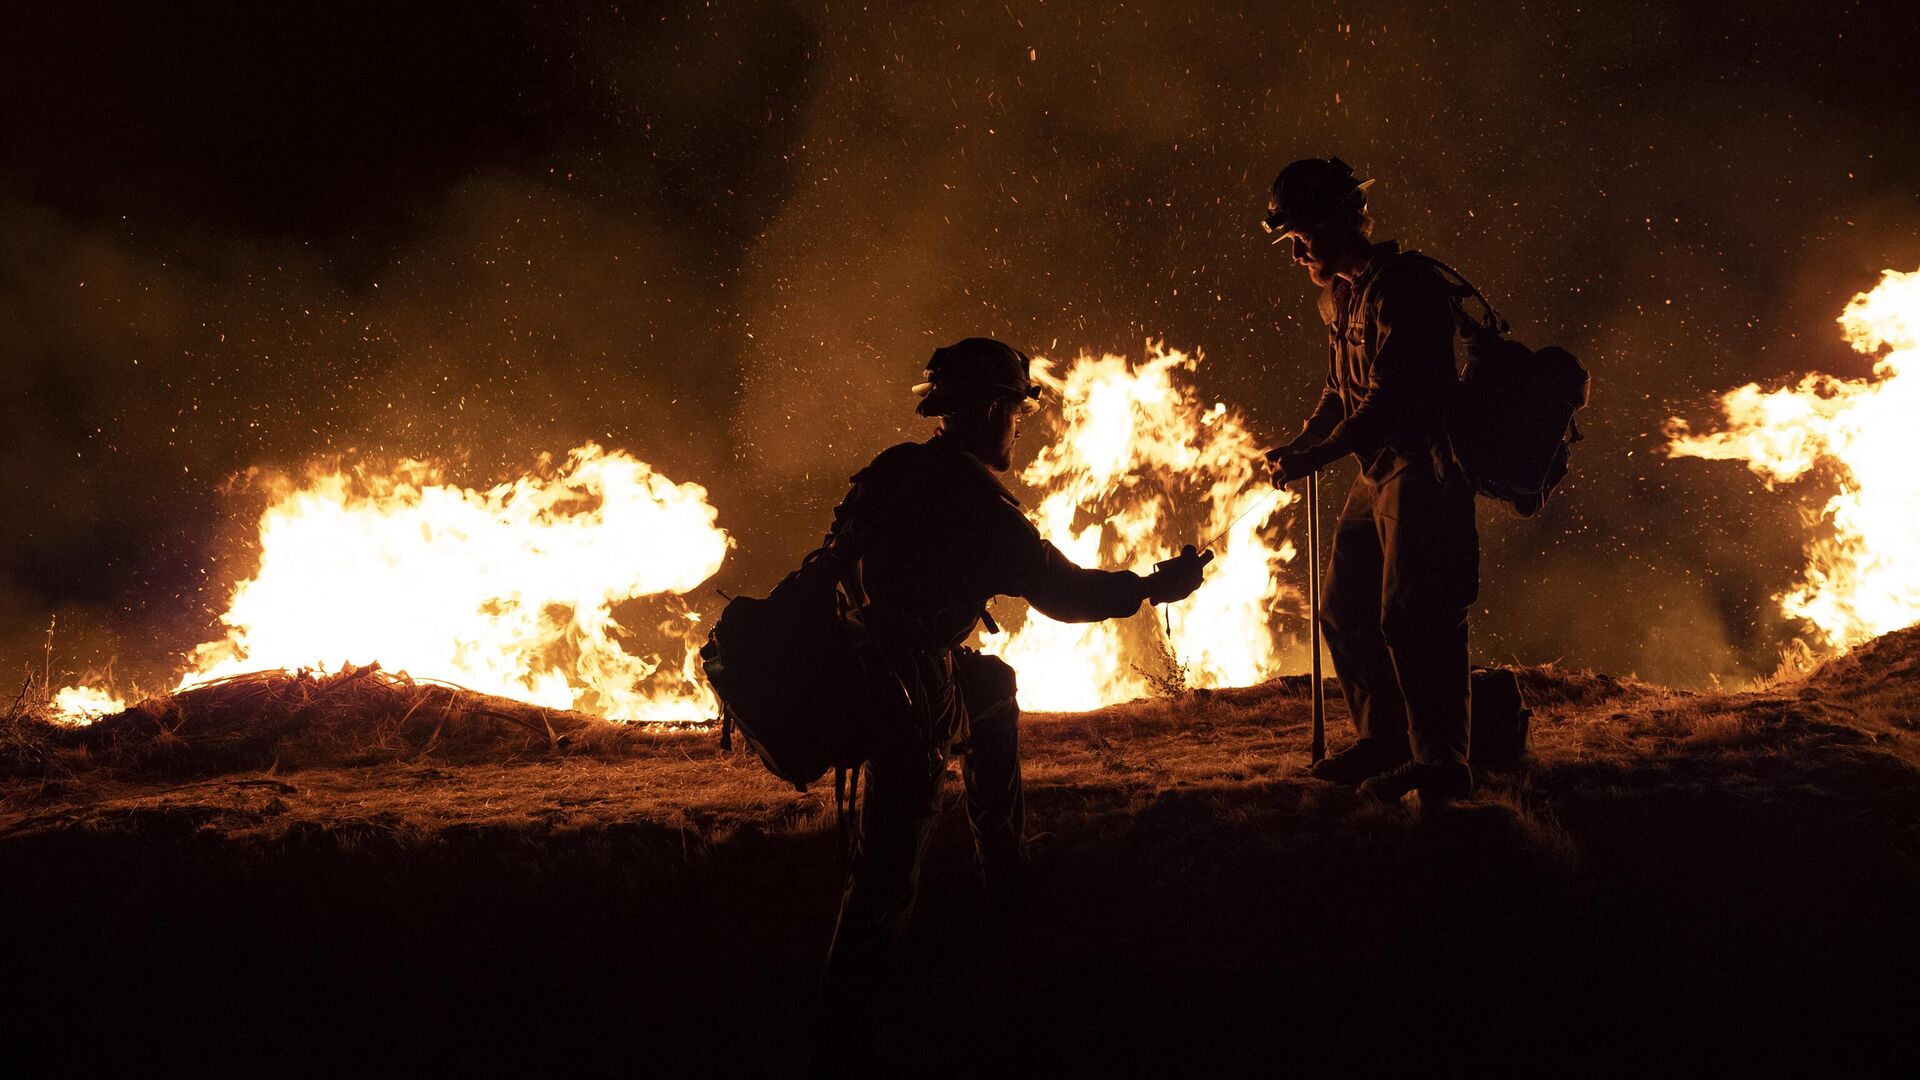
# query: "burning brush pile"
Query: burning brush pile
{"points": [[279, 721], [508, 592]]}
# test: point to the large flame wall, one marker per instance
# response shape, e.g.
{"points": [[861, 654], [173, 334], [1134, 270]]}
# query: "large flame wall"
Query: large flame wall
{"points": [[1862, 578]]}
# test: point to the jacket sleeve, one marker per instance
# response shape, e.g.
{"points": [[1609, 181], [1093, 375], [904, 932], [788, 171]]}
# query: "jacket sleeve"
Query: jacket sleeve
{"points": [[1032, 568], [1413, 353], [1328, 413], [1069, 593], [1329, 410]]}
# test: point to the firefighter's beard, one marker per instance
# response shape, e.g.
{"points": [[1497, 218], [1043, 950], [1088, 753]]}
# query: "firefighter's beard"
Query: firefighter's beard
{"points": [[1316, 268], [1308, 260], [1006, 428], [989, 438], [1319, 252]]}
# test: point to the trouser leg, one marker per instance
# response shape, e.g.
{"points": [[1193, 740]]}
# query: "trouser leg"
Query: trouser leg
{"points": [[1432, 666], [898, 803], [1350, 617], [996, 800], [1431, 577]]}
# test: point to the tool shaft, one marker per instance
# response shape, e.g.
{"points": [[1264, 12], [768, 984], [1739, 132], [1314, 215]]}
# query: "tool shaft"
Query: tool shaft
{"points": [[1319, 747], [1250, 508]]}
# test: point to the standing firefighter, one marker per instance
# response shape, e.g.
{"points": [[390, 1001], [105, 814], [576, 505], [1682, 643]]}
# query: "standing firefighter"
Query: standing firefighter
{"points": [[938, 536], [1406, 555]]}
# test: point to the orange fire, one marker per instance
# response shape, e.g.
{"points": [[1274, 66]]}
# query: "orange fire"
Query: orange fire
{"points": [[1862, 578], [511, 590], [1140, 466], [508, 591], [85, 704]]}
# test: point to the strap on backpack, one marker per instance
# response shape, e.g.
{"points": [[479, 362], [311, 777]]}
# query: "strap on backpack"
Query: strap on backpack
{"points": [[1464, 289], [846, 807]]}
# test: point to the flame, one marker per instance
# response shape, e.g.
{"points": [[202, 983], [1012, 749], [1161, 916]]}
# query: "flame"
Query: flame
{"points": [[508, 591], [1862, 579], [85, 704], [1139, 467], [511, 590]]}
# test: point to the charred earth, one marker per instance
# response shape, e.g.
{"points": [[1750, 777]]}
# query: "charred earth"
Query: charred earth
{"points": [[359, 871]]}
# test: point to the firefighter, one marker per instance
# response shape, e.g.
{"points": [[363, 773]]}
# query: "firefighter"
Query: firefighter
{"points": [[1406, 555], [940, 535]]}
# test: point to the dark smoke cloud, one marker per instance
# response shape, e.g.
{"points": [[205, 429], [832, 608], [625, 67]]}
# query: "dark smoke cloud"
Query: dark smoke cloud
{"points": [[725, 237]]}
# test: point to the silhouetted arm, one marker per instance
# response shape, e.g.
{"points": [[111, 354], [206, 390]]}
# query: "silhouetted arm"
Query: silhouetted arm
{"points": [[1068, 593], [1330, 409], [1027, 566]]}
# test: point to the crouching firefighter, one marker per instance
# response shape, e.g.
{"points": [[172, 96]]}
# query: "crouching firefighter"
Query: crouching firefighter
{"points": [[1406, 556], [937, 535]]}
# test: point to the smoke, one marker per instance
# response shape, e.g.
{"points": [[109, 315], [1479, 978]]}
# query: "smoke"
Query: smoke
{"points": [[725, 239]]}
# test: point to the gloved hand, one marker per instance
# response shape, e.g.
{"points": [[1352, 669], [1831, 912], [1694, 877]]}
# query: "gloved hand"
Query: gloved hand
{"points": [[1294, 443], [1290, 464], [1176, 578]]}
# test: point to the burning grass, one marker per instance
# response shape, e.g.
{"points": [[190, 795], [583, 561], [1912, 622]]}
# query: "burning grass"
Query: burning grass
{"points": [[456, 879]]}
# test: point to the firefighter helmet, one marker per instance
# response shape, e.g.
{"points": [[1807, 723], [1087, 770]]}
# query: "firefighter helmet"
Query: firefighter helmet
{"points": [[1311, 191], [975, 369]]}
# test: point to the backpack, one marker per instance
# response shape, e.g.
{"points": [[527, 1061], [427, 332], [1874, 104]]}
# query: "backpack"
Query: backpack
{"points": [[799, 674], [1510, 425], [1499, 719]]}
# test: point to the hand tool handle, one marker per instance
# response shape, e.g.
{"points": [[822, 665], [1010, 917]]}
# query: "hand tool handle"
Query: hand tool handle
{"points": [[1319, 748]]}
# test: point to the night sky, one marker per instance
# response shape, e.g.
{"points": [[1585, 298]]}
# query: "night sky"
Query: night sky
{"points": [[725, 236]]}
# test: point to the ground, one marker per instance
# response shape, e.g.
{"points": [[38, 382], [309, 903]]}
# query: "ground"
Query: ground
{"points": [[360, 873]]}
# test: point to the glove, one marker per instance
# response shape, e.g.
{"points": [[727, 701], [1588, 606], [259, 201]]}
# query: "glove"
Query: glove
{"points": [[1294, 443], [1290, 464], [1176, 578]]}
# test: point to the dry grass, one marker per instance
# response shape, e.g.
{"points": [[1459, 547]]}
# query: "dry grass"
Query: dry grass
{"points": [[279, 721], [521, 863], [260, 754]]}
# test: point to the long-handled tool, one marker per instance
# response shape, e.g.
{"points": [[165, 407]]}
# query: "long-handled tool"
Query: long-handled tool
{"points": [[1319, 748]]}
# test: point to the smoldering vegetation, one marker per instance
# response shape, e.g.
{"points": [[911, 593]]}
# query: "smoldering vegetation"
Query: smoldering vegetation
{"points": [[385, 876], [723, 238]]}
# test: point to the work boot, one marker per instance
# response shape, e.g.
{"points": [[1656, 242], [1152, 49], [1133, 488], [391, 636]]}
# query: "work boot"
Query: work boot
{"points": [[1366, 758], [1437, 784]]}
